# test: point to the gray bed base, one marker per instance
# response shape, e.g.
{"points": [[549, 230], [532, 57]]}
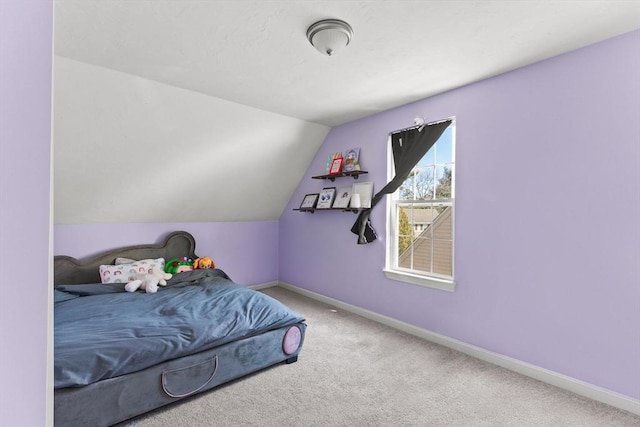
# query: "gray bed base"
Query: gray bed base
{"points": [[110, 401], [117, 399]]}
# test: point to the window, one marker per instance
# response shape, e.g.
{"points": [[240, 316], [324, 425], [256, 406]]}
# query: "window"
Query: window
{"points": [[420, 219]]}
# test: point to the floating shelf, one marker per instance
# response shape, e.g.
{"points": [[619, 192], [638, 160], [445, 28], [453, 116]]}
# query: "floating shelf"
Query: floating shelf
{"points": [[354, 210], [332, 177]]}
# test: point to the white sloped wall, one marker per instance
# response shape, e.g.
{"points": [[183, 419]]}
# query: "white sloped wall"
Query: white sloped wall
{"points": [[131, 150]]}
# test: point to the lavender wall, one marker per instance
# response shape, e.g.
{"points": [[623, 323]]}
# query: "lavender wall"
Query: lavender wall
{"points": [[25, 123], [247, 251], [547, 218]]}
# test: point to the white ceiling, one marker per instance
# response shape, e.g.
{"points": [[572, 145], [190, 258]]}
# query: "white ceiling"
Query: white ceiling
{"points": [[256, 52], [152, 97]]}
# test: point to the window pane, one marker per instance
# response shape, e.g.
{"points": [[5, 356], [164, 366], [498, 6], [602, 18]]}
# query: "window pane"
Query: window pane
{"points": [[422, 219], [404, 261], [405, 232], [443, 182], [422, 254], [444, 147], [442, 223], [442, 263], [407, 189], [424, 183]]}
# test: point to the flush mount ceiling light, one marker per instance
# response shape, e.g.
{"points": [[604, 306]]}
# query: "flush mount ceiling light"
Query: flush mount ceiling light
{"points": [[329, 35]]}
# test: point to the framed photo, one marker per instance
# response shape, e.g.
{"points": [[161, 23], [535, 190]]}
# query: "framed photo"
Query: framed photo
{"points": [[331, 157], [325, 200], [309, 202], [365, 192], [343, 196], [336, 166], [351, 162]]}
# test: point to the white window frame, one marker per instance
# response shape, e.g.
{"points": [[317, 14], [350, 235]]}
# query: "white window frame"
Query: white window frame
{"points": [[415, 277]]}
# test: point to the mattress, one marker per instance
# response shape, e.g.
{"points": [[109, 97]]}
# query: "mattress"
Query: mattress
{"points": [[102, 332]]}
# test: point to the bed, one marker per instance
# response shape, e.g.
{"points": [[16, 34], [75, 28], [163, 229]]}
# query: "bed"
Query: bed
{"points": [[119, 354]]}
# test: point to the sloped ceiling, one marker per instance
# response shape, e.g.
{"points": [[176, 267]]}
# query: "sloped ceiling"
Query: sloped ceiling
{"points": [[238, 102], [128, 149]]}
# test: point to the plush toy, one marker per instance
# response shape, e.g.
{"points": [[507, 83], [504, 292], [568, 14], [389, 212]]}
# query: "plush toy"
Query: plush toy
{"points": [[178, 265], [148, 282], [205, 262]]}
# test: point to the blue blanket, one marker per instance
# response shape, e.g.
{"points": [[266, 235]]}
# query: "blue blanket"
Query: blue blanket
{"points": [[101, 331]]}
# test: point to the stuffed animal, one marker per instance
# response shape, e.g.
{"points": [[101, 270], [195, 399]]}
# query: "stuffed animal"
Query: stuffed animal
{"points": [[148, 282], [205, 262], [178, 265]]}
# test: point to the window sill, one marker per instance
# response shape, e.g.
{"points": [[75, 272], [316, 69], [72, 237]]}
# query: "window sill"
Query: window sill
{"points": [[414, 279]]}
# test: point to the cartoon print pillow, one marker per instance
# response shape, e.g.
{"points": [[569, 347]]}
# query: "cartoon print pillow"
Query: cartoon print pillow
{"points": [[124, 273]]}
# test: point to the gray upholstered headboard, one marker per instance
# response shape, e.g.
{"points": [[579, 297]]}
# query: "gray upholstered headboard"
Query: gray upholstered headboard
{"points": [[68, 270]]}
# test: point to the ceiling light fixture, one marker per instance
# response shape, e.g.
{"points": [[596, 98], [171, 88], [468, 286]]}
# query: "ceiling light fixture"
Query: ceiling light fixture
{"points": [[329, 35]]}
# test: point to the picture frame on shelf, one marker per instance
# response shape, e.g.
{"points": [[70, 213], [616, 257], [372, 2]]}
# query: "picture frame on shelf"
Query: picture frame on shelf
{"points": [[365, 192], [309, 202], [343, 196], [351, 160], [330, 159], [336, 166], [326, 197]]}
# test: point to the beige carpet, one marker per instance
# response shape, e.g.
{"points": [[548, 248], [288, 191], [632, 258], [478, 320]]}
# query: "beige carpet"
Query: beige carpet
{"points": [[356, 372]]}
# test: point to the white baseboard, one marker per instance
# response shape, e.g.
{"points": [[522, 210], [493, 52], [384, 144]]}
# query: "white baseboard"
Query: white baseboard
{"points": [[573, 385], [263, 286]]}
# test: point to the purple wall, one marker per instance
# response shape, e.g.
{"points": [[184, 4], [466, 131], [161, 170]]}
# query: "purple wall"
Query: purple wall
{"points": [[25, 141], [247, 251], [547, 218]]}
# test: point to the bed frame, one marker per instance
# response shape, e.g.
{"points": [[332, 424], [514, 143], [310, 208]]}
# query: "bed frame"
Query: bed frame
{"points": [[117, 399]]}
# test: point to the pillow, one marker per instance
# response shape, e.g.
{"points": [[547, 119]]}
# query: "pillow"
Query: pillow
{"points": [[124, 273], [120, 261]]}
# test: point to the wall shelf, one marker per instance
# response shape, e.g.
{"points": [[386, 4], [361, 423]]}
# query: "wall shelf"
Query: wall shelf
{"points": [[354, 210], [332, 177]]}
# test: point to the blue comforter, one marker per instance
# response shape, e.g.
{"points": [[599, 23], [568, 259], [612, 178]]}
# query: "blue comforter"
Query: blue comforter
{"points": [[101, 331]]}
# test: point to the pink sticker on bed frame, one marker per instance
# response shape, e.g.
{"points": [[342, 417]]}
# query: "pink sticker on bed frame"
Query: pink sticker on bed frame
{"points": [[291, 340]]}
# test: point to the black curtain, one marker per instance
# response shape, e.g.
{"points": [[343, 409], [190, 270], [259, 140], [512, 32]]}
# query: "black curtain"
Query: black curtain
{"points": [[408, 147]]}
